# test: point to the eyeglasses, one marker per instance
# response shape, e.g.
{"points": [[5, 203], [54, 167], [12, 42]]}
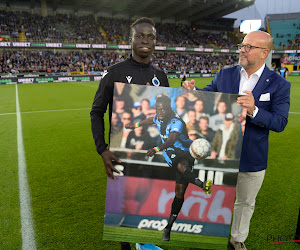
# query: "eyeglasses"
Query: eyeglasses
{"points": [[248, 47]]}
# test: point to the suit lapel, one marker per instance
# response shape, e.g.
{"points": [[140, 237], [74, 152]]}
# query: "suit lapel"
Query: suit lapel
{"points": [[236, 80], [262, 83]]}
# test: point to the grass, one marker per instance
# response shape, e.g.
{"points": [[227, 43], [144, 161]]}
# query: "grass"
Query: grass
{"points": [[177, 239], [68, 182]]}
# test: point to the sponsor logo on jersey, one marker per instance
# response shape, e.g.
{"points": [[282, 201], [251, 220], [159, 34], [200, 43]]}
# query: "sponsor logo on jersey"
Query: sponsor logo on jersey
{"points": [[155, 81], [129, 78]]}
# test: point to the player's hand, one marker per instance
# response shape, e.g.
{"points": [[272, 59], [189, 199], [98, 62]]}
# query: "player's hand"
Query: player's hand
{"points": [[150, 152], [247, 101], [189, 84], [108, 157], [213, 155], [130, 126]]}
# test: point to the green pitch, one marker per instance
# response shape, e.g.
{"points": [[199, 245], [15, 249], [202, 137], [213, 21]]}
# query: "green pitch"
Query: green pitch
{"points": [[177, 239], [67, 181]]}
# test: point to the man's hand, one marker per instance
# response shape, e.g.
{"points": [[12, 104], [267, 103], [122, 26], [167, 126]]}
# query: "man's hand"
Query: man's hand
{"points": [[150, 152], [130, 126], [247, 101], [108, 157], [189, 84]]}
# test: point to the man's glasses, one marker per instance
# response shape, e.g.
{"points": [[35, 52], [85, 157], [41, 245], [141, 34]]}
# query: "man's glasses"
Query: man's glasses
{"points": [[248, 47]]}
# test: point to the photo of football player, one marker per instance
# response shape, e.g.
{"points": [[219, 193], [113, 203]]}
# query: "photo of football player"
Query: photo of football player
{"points": [[175, 146]]}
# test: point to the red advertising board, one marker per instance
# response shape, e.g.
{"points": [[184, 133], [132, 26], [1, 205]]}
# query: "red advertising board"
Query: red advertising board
{"points": [[152, 197]]}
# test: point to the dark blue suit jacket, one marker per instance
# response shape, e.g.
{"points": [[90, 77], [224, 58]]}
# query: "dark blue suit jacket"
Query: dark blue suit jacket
{"points": [[272, 114]]}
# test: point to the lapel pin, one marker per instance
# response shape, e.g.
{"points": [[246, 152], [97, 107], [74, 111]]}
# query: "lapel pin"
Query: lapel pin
{"points": [[267, 80]]}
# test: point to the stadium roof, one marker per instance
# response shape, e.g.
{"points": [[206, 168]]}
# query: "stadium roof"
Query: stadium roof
{"points": [[191, 10]]}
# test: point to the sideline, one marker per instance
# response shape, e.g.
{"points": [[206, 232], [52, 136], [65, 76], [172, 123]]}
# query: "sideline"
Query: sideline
{"points": [[27, 227]]}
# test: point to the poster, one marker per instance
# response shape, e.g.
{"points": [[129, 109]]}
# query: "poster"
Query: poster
{"points": [[139, 201]]}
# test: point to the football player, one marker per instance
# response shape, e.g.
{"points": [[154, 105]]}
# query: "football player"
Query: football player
{"points": [[175, 146]]}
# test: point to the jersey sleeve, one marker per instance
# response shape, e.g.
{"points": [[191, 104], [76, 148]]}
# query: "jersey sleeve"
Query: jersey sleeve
{"points": [[103, 98], [176, 126], [164, 82]]}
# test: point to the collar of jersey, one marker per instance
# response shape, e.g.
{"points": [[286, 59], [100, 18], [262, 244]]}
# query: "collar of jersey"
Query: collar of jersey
{"points": [[138, 64]]}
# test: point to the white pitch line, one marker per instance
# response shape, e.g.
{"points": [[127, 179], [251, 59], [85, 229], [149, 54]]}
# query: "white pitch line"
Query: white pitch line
{"points": [[8, 113], [27, 227], [44, 111]]}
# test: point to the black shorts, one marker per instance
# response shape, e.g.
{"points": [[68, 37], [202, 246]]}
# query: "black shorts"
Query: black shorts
{"points": [[177, 156]]}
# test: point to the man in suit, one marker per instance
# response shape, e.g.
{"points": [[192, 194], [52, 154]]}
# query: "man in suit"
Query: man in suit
{"points": [[266, 96]]}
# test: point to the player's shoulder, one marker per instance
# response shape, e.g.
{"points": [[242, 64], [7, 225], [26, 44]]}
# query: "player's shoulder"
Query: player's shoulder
{"points": [[161, 76], [175, 125], [158, 71], [176, 121], [113, 71], [117, 66]]}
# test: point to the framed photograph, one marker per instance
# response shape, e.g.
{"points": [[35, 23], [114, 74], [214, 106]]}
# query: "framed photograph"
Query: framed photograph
{"points": [[139, 201]]}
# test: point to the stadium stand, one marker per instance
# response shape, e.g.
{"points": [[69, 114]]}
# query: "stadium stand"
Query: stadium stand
{"points": [[24, 26], [204, 63], [285, 29], [17, 26], [58, 28], [20, 61]]}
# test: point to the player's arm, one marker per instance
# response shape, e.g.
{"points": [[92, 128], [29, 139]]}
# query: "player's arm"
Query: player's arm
{"points": [[102, 98], [173, 136], [148, 121]]}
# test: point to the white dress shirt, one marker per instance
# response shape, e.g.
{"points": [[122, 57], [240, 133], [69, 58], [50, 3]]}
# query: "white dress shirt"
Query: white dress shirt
{"points": [[249, 83]]}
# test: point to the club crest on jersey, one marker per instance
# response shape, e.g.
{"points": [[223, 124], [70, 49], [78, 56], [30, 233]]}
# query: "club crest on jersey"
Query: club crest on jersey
{"points": [[129, 78], [155, 81]]}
